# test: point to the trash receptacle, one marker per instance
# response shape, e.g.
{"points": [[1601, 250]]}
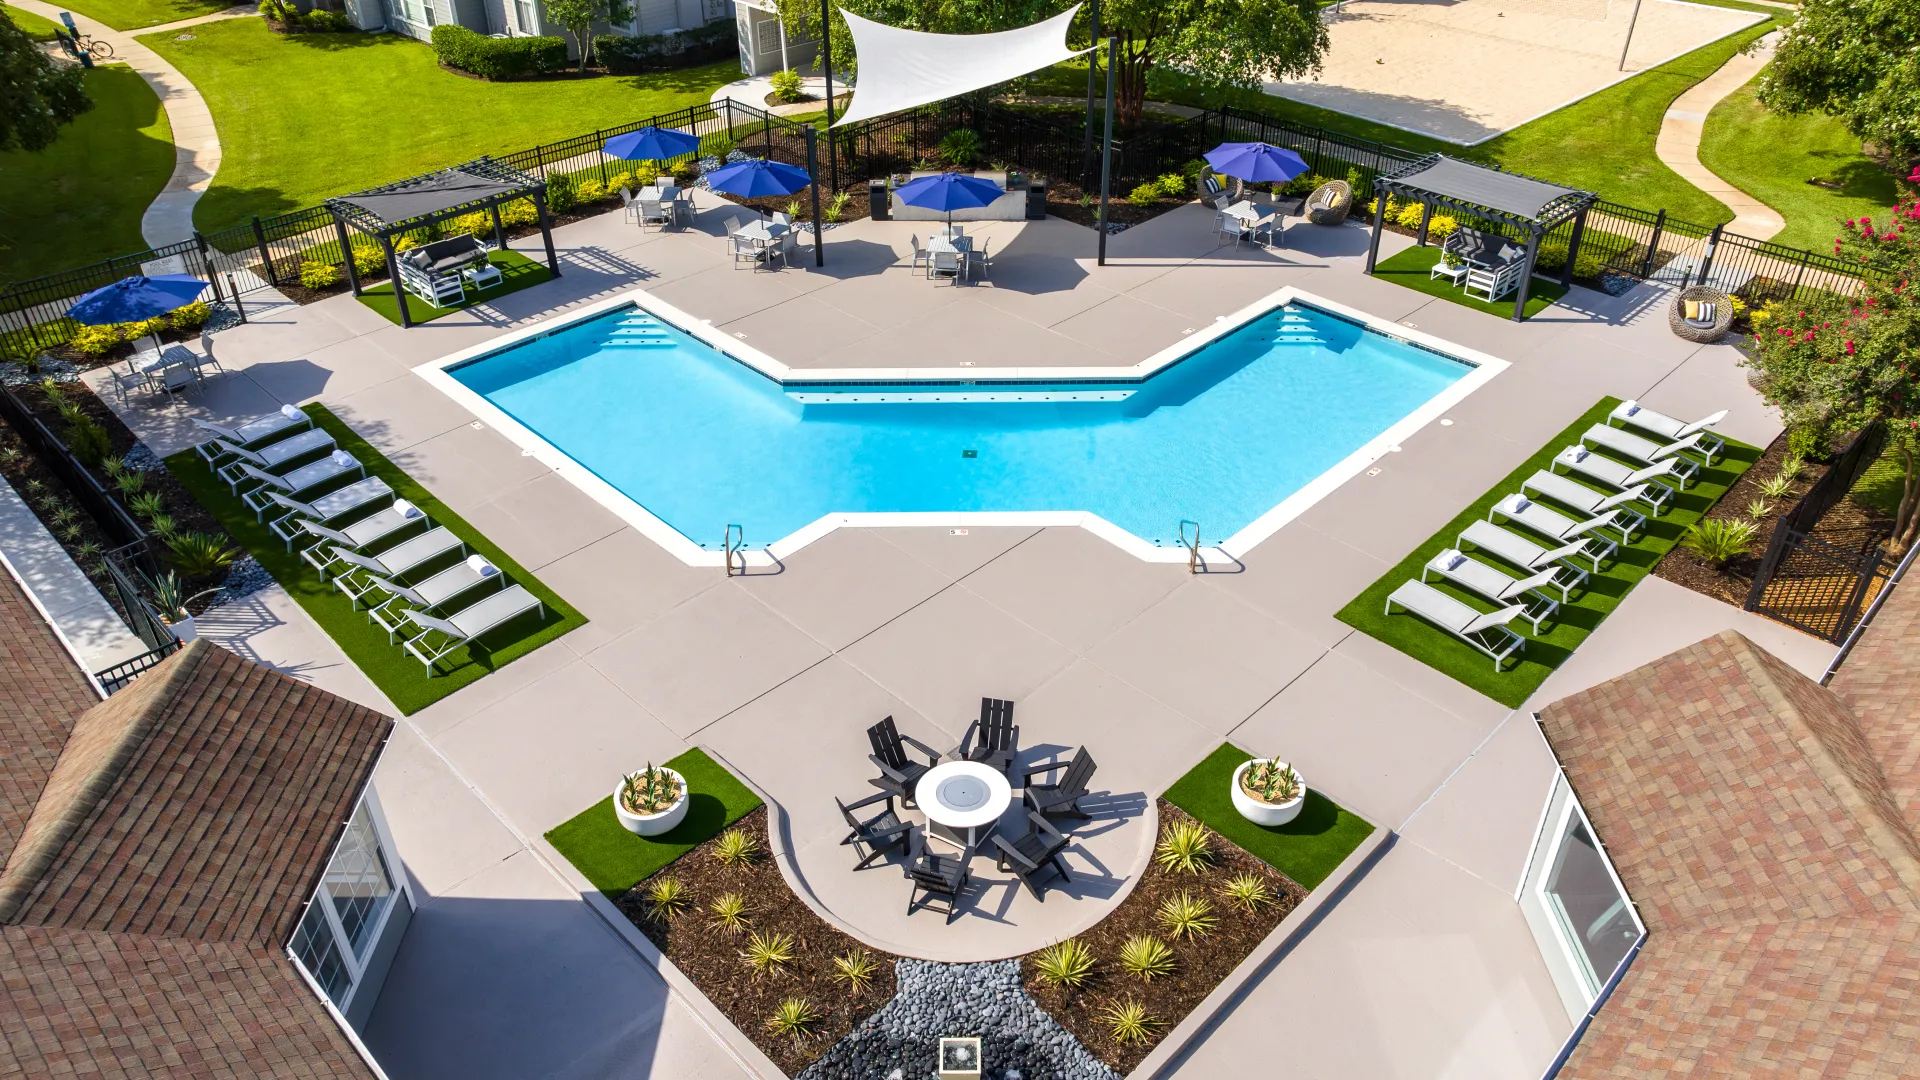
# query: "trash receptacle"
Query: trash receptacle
{"points": [[879, 200], [1036, 199]]}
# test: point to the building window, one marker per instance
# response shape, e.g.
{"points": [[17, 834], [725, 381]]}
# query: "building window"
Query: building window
{"points": [[341, 929], [524, 11], [769, 36], [313, 944], [1590, 909], [358, 883]]}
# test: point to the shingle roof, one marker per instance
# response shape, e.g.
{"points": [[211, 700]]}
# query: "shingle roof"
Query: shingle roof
{"points": [[1750, 822], [150, 895], [41, 692], [1880, 682]]}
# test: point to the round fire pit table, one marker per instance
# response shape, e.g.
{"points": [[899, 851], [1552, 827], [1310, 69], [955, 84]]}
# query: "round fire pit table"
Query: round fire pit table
{"points": [[961, 797]]}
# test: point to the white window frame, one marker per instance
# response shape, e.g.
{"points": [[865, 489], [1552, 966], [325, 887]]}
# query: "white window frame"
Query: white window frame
{"points": [[342, 942], [1576, 956], [522, 16]]}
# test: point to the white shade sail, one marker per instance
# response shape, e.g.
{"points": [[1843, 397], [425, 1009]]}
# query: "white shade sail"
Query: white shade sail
{"points": [[901, 69]]}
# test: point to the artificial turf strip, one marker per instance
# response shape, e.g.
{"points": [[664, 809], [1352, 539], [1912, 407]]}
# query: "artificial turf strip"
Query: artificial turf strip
{"points": [[516, 272], [614, 859], [1306, 849], [1413, 268], [1543, 653], [398, 675]]}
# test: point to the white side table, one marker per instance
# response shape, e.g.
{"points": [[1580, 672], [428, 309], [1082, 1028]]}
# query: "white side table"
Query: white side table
{"points": [[961, 797], [1453, 274], [482, 276]]}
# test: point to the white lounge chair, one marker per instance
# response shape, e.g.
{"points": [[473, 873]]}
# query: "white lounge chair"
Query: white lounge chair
{"points": [[258, 430], [395, 562], [1583, 499], [1646, 451], [271, 456], [1634, 414], [356, 537], [1511, 547], [468, 623], [331, 507], [305, 478], [1605, 470], [1496, 585], [1484, 631], [1559, 528], [428, 596]]}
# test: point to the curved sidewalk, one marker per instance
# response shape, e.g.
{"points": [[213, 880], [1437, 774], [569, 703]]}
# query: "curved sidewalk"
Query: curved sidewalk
{"points": [[196, 145], [1678, 145]]}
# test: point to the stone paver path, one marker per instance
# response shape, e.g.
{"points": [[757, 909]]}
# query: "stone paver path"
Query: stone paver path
{"points": [[196, 145], [1678, 145]]}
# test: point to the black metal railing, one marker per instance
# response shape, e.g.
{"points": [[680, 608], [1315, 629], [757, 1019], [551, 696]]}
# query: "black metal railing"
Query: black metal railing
{"points": [[130, 575], [115, 679], [100, 504], [1819, 583]]}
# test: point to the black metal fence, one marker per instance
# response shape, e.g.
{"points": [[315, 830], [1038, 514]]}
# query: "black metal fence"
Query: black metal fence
{"points": [[127, 594], [99, 503], [1820, 584]]}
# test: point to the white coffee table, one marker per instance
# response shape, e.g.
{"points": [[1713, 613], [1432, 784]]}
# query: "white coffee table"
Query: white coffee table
{"points": [[961, 797], [482, 276]]}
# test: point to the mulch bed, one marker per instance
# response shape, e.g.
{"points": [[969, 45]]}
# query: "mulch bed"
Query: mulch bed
{"points": [[710, 955], [1848, 524], [1200, 965]]}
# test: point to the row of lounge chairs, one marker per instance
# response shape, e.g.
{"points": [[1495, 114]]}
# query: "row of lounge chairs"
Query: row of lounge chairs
{"points": [[1550, 570], [348, 535]]}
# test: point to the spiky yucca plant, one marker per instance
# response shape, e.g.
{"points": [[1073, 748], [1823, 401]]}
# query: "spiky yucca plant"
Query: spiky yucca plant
{"points": [[1758, 509], [1128, 1022], [855, 967], [794, 1017], [1272, 781], [1066, 963], [1146, 956], [667, 898], [649, 791], [1247, 892], [729, 912], [1188, 916], [768, 952], [1719, 540], [736, 847], [1185, 847]]}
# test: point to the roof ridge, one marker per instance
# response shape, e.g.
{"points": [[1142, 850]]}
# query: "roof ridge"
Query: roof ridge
{"points": [[81, 780]]}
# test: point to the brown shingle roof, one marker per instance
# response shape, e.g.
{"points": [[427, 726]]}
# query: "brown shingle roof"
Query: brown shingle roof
{"points": [[1749, 820], [1880, 682], [152, 890], [41, 692]]}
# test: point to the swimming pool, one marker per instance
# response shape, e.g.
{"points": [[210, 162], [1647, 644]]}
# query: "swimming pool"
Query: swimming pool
{"points": [[1228, 430]]}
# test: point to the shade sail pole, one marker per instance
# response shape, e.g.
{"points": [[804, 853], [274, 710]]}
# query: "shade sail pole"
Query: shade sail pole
{"points": [[813, 174], [1093, 61], [826, 67], [1106, 147]]}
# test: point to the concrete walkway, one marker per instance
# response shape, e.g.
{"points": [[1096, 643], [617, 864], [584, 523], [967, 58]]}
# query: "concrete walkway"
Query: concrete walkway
{"points": [[88, 622], [1678, 145], [196, 145]]}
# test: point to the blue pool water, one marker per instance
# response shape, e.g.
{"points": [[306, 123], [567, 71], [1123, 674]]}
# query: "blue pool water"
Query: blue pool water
{"points": [[701, 440]]}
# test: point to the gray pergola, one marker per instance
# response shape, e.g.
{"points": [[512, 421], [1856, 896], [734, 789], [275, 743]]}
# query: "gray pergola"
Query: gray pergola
{"points": [[1482, 191], [415, 203]]}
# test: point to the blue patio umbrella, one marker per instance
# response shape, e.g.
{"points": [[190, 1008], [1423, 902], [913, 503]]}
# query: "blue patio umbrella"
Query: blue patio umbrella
{"points": [[1255, 161], [651, 144], [756, 177], [949, 192], [136, 298]]}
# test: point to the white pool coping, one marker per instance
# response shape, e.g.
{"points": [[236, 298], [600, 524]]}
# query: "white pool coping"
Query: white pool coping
{"points": [[1225, 553]]}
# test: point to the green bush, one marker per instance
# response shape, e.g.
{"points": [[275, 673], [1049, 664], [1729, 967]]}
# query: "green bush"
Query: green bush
{"points": [[624, 54], [1175, 186], [786, 86], [368, 260], [498, 58], [1303, 184], [88, 441], [319, 275], [589, 191], [1809, 443], [97, 341], [517, 212], [327, 22], [189, 317], [961, 147], [561, 196], [1144, 195], [1719, 540]]}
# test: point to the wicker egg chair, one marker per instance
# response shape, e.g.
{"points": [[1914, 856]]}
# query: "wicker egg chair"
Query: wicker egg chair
{"points": [[1329, 203], [1703, 333]]}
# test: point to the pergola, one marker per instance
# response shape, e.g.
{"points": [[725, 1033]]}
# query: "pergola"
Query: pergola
{"points": [[1479, 191], [418, 202]]}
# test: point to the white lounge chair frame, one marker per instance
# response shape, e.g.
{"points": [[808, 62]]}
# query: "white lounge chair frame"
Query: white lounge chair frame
{"points": [[1585, 500], [271, 456], [395, 562], [257, 430], [1486, 632], [427, 596], [1484, 579], [1562, 529], [327, 508], [356, 537], [301, 479], [1509, 546], [1605, 470], [1633, 447], [1634, 414], [463, 626]]}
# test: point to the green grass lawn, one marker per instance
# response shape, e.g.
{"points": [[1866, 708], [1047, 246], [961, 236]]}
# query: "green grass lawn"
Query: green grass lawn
{"points": [[313, 115], [1772, 158], [398, 675], [1446, 653], [37, 28], [80, 200], [1413, 268], [140, 14], [516, 272], [1306, 849], [1881, 486], [614, 859]]}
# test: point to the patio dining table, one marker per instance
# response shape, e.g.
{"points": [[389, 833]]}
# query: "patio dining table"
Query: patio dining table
{"points": [[149, 361], [1255, 216], [676, 197], [763, 230], [941, 243]]}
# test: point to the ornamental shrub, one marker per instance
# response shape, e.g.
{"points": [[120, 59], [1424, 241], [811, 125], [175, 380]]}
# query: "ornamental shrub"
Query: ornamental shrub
{"points": [[625, 54], [368, 260], [961, 147], [588, 191], [498, 58], [95, 342], [88, 441], [1174, 186], [517, 212], [1144, 195], [1441, 227], [189, 317], [319, 275], [1303, 184], [786, 86], [327, 22], [478, 224], [1408, 216], [561, 196]]}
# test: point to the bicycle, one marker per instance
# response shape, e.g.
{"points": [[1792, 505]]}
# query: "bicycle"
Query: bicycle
{"points": [[99, 48]]}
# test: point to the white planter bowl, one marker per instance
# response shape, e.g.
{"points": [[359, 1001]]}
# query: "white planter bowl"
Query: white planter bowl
{"points": [[183, 630], [653, 824], [1265, 813]]}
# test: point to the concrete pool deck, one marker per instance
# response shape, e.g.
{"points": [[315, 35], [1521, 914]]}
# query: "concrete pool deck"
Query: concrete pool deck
{"points": [[1426, 966]]}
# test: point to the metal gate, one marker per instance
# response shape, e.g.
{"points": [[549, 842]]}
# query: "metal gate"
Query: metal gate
{"points": [[1817, 585]]}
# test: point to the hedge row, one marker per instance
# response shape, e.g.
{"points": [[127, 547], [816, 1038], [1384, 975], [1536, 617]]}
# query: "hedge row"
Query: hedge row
{"points": [[498, 58], [624, 55]]}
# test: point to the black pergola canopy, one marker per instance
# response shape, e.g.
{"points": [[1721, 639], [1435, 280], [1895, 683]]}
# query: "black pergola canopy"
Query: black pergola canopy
{"points": [[423, 201], [1483, 191]]}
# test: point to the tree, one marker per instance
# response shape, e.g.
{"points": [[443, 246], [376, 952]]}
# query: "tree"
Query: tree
{"points": [[577, 17], [1239, 42], [1841, 363], [1855, 59], [37, 95]]}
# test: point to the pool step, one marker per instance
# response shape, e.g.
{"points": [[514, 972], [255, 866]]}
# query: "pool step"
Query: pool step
{"points": [[642, 342]]}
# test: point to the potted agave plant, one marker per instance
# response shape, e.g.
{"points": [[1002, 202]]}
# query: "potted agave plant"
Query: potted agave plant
{"points": [[1268, 791], [172, 606], [651, 801]]}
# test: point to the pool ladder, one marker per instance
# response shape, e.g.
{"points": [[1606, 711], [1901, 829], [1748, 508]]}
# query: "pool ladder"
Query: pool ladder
{"points": [[1195, 563], [640, 331], [736, 544]]}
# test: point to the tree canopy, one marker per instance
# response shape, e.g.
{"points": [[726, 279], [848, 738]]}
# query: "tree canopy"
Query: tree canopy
{"points": [[37, 95], [1836, 364], [578, 16], [1855, 59], [1239, 42]]}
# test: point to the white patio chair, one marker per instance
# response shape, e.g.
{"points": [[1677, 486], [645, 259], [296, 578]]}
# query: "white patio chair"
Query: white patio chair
{"points": [[921, 257], [945, 262], [653, 212], [628, 211], [271, 456], [1579, 497], [789, 246], [1497, 281], [463, 626], [1486, 632], [1496, 585], [1516, 549], [1648, 452], [431, 594], [174, 379], [205, 358], [356, 537], [1230, 227], [395, 562], [1634, 414], [1580, 460], [978, 259], [750, 249], [334, 505], [782, 218], [1559, 528], [258, 430], [306, 477]]}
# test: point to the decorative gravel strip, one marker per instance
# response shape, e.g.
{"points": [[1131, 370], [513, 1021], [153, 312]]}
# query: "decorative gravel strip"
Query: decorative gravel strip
{"points": [[902, 1040], [244, 578]]}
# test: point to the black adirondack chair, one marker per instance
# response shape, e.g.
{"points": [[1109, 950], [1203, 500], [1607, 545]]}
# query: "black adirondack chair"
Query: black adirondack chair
{"points": [[877, 835], [992, 738], [1062, 798], [898, 772], [937, 876], [1040, 848]]}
